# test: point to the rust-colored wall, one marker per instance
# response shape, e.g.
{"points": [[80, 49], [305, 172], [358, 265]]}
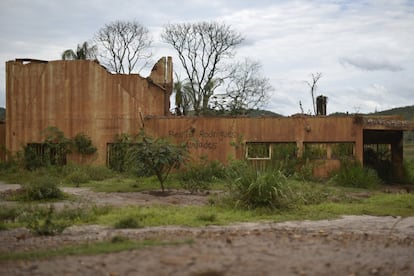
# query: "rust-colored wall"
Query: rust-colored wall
{"points": [[221, 138], [80, 96], [2, 141], [83, 97]]}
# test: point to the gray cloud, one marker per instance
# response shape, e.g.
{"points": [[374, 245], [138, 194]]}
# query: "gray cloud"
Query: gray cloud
{"points": [[292, 39], [371, 64]]}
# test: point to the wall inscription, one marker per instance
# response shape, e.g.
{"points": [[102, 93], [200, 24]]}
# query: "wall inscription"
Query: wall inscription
{"points": [[203, 139]]}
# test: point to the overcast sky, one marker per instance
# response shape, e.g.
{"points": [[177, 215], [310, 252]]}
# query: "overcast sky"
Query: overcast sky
{"points": [[364, 49]]}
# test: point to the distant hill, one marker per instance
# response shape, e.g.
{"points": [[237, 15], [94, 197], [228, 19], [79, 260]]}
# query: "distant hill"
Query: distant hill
{"points": [[2, 114], [406, 112]]}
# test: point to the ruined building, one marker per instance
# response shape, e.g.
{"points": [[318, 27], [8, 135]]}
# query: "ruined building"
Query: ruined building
{"points": [[83, 97]]}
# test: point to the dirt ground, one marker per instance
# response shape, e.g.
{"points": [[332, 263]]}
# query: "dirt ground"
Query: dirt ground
{"points": [[351, 245]]}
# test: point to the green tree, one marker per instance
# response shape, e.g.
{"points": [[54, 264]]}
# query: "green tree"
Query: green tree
{"points": [[83, 52], [158, 156], [182, 92]]}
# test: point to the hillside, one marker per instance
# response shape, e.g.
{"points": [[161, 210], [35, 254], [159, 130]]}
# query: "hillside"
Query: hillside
{"points": [[406, 112]]}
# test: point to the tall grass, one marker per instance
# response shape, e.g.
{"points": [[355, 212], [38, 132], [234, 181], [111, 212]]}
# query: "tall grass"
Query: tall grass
{"points": [[251, 188], [352, 174]]}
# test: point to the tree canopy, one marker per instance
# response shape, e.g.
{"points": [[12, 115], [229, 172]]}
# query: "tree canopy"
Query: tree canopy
{"points": [[202, 48], [123, 45], [83, 51]]}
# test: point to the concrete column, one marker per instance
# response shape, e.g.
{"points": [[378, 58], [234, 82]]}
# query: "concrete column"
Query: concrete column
{"points": [[397, 156]]}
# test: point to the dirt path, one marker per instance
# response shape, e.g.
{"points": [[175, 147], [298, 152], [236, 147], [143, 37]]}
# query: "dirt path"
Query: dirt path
{"points": [[352, 245]]}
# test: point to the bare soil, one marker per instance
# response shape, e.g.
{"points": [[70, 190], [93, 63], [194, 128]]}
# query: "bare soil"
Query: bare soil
{"points": [[351, 245]]}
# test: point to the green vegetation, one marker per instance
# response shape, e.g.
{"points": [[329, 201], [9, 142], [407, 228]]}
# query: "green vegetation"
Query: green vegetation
{"points": [[46, 220], [201, 176], [117, 244], [406, 112], [409, 151], [335, 204], [352, 174], [83, 144], [158, 156], [43, 188], [2, 114], [250, 192], [127, 222], [144, 155]]}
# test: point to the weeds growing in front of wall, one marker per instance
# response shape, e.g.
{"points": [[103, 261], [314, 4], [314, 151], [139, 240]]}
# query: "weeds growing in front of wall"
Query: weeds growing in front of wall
{"points": [[352, 174], [251, 192]]}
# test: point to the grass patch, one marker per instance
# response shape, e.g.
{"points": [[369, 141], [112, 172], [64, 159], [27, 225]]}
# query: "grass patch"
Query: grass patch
{"points": [[115, 245], [197, 216], [377, 205], [44, 220], [130, 184], [128, 222]]}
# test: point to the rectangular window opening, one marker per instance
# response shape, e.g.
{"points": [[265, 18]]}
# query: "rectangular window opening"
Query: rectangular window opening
{"points": [[258, 151]]}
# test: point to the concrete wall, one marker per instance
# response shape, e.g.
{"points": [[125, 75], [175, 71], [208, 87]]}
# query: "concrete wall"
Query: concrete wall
{"points": [[2, 141], [224, 138], [83, 97], [80, 96]]}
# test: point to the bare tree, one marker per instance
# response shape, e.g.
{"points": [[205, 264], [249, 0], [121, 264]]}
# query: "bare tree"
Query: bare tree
{"points": [[124, 44], [201, 48], [83, 51], [313, 86], [247, 88]]}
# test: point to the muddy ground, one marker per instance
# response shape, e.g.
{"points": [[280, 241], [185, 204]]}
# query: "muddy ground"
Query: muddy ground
{"points": [[351, 245]]}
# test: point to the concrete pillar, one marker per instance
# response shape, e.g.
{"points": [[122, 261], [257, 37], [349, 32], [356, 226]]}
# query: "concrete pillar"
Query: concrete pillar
{"points": [[397, 156]]}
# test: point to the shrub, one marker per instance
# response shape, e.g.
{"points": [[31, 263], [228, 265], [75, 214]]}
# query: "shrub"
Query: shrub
{"points": [[44, 224], [409, 172], [198, 176], [44, 187], [99, 173], [119, 239], [77, 177], [52, 151], [158, 156], [251, 188], [9, 214], [352, 174], [209, 217], [119, 157], [83, 144], [128, 222], [304, 170]]}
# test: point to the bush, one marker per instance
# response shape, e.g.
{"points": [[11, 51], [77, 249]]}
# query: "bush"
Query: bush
{"points": [[82, 174], [408, 172], [198, 176], [352, 174], [251, 188], [77, 177], [207, 217], [128, 222], [99, 173], [44, 224], [83, 144], [158, 156], [43, 188]]}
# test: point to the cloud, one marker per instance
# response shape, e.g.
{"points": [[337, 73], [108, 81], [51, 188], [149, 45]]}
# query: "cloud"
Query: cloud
{"points": [[370, 64], [355, 44]]}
